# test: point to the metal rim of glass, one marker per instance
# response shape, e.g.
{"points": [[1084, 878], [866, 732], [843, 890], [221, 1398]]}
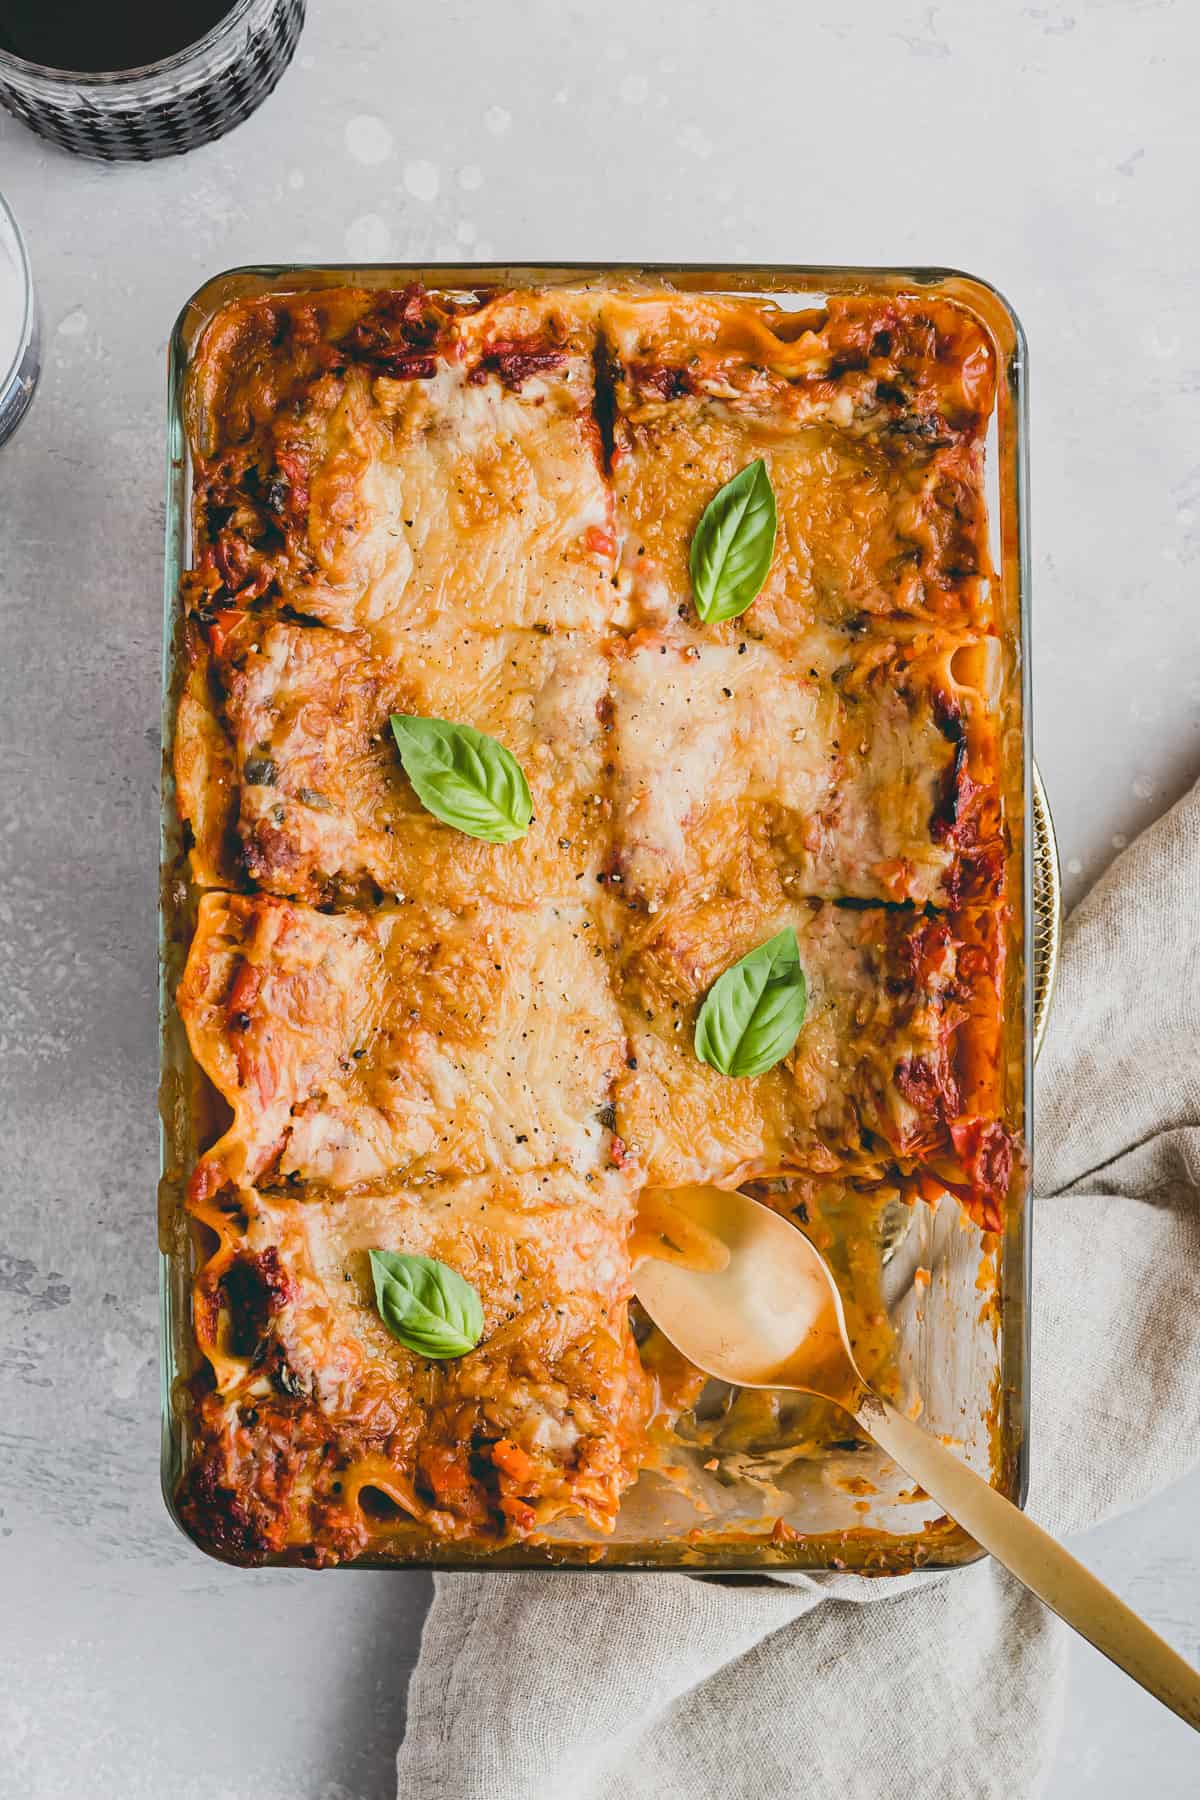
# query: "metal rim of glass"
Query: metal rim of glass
{"points": [[43, 73], [11, 238]]}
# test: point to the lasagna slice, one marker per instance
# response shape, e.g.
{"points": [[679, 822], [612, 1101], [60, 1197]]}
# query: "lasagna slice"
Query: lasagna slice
{"points": [[843, 767], [411, 1040], [288, 774], [870, 419], [896, 1060], [394, 457], [323, 1432]]}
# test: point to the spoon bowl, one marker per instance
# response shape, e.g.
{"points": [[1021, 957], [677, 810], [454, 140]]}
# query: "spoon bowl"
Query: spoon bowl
{"points": [[743, 1293]]}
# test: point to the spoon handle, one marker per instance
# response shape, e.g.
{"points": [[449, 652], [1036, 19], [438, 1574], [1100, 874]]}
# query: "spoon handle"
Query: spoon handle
{"points": [[1037, 1560]]}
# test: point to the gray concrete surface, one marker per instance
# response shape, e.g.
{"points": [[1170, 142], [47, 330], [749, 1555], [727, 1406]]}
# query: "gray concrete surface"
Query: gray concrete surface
{"points": [[1052, 148]]}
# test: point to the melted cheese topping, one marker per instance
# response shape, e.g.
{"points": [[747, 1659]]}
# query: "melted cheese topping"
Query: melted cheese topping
{"points": [[323, 804], [542, 1259], [738, 766], [861, 532], [462, 487], [454, 492], [869, 427], [357, 1046], [881, 1001], [539, 1420]]}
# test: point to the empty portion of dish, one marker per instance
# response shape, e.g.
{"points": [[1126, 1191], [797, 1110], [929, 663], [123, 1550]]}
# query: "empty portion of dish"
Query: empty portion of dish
{"points": [[429, 1037]]}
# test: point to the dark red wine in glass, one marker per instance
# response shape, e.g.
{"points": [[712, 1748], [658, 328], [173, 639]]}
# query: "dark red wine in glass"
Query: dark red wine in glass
{"points": [[141, 78], [99, 39]]}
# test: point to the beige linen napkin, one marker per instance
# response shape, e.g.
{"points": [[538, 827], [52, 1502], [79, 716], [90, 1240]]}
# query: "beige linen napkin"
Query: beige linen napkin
{"points": [[593, 1687]]}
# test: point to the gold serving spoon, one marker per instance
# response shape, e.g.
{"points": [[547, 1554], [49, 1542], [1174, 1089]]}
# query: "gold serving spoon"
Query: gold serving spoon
{"points": [[747, 1298]]}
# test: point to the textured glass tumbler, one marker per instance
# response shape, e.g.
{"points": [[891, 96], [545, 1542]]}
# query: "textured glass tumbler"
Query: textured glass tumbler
{"points": [[20, 359], [168, 106]]}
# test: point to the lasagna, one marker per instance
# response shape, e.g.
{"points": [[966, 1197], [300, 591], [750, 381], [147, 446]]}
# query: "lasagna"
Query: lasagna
{"points": [[416, 1041]]}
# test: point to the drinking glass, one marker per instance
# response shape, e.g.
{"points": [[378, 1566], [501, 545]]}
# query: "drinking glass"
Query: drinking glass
{"points": [[167, 106], [20, 358]]}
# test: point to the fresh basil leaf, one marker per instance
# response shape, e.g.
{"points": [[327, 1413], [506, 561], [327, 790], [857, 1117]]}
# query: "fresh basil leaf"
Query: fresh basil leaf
{"points": [[464, 778], [752, 1014], [426, 1304], [733, 544]]}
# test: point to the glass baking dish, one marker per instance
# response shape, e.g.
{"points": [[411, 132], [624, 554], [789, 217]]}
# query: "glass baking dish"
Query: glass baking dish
{"points": [[796, 1487]]}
